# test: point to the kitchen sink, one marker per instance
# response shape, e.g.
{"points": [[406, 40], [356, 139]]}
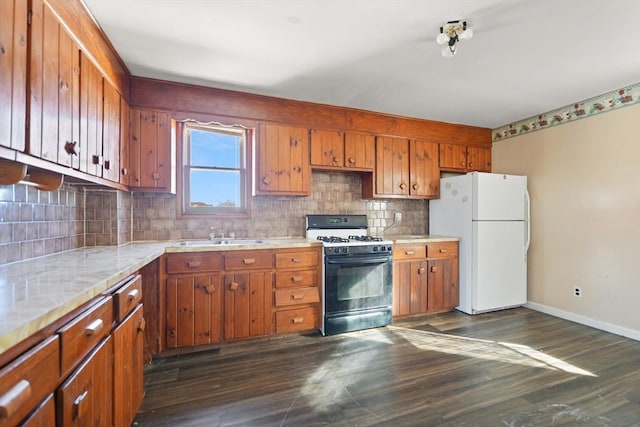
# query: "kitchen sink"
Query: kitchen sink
{"points": [[221, 242]]}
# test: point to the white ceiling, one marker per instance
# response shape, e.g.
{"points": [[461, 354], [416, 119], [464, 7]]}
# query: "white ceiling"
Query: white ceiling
{"points": [[526, 56]]}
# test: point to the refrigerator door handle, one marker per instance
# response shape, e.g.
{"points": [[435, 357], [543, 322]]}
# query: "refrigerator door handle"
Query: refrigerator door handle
{"points": [[528, 203]]}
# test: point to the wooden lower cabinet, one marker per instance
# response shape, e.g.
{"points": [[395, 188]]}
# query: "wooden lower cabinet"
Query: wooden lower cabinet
{"points": [[85, 398], [425, 278], [193, 310], [128, 354], [44, 415], [247, 304]]}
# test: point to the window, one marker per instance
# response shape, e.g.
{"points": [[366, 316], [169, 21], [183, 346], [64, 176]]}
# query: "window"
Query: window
{"points": [[215, 170]]}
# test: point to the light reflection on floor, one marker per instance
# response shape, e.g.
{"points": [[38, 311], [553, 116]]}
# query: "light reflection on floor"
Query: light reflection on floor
{"points": [[485, 349]]}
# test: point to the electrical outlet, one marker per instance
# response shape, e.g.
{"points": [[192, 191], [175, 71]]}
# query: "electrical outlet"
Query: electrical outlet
{"points": [[397, 217], [577, 292]]}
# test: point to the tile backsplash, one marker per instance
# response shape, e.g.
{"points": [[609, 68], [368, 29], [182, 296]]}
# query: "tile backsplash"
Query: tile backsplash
{"points": [[35, 223]]}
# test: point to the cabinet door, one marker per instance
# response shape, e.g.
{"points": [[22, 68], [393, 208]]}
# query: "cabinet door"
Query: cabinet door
{"points": [[392, 166], [247, 305], [125, 125], [443, 284], [327, 148], [54, 89], [453, 157], [86, 397], [424, 169], [479, 159], [359, 151], [13, 73], [91, 117], [150, 150], [283, 160], [128, 353], [410, 287], [193, 310], [111, 133]]}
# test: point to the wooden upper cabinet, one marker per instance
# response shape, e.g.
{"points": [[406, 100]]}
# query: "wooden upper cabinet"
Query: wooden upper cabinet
{"points": [[392, 166], [283, 160], [359, 151], [54, 88], [462, 158], [150, 150], [342, 150], [479, 159], [327, 148], [125, 132], [13, 73], [91, 117], [424, 169], [111, 133]]}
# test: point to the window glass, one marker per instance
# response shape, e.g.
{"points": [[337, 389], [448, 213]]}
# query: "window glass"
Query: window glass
{"points": [[214, 170]]}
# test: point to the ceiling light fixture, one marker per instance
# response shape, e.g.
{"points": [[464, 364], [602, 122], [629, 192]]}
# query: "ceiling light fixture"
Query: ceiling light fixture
{"points": [[450, 34]]}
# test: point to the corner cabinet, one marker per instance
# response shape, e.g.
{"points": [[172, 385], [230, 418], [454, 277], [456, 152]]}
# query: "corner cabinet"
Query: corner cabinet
{"points": [[462, 158], [404, 169], [282, 156], [425, 277], [150, 150]]}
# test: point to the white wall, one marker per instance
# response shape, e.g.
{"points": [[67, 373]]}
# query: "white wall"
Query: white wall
{"points": [[584, 181]]}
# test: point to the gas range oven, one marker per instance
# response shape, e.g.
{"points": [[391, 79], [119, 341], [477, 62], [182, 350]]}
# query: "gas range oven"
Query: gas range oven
{"points": [[357, 273]]}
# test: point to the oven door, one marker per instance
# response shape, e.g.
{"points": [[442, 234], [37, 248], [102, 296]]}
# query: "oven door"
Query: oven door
{"points": [[357, 282]]}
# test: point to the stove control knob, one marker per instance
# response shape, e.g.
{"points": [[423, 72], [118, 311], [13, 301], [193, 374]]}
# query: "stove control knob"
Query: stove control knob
{"points": [[389, 248], [345, 250], [375, 249]]}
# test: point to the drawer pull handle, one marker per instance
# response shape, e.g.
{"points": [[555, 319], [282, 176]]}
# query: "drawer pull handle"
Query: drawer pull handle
{"points": [[210, 289], [133, 294], [443, 251], [94, 327], [434, 269], [80, 405], [415, 186], [142, 325], [297, 320], [296, 260], [297, 296], [421, 270], [296, 279], [409, 252], [403, 186], [194, 264], [249, 261], [266, 180], [233, 286], [16, 397]]}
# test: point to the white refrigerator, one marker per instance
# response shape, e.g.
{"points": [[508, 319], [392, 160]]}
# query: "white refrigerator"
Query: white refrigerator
{"points": [[491, 215]]}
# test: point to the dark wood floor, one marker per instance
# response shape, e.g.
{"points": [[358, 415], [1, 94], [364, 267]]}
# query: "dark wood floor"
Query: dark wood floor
{"points": [[511, 368]]}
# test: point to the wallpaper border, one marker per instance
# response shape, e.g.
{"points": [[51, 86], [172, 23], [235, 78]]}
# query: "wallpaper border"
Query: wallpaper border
{"points": [[624, 97]]}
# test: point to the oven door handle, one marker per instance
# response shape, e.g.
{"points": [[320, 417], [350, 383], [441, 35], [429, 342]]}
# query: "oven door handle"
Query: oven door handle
{"points": [[358, 260]]}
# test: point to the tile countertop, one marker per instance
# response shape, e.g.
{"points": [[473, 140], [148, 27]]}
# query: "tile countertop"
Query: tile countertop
{"points": [[36, 292], [416, 238]]}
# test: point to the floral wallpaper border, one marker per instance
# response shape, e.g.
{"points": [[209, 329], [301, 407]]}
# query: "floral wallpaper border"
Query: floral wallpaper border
{"points": [[600, 104]]}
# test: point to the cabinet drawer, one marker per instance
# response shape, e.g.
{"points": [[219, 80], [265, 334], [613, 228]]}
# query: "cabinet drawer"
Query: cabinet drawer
{"points": [[409, 252], [27, 380], [297, 320], [287, 297], [287, 279], [79, 336], [297, 259], [244, 260], [442, 250], [194, 261], [127, 297]]}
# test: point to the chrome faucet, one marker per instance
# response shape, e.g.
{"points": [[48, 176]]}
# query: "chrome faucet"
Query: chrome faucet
{"points": [[212, 234]]}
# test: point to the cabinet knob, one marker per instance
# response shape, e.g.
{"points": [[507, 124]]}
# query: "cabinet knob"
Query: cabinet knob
{"points": [[415, 186], [266, 180], [96, 160], [124, 171], [336, 160], [133, 294], [351, 160], [293, 142], [14, 399], [107, 164], [210, 289], [70, 148], [297, 320], [421, 270], [155, 176], [470, 164], [434, 269], [403, 186], [462, 164], [233, 286], [249, 261]]}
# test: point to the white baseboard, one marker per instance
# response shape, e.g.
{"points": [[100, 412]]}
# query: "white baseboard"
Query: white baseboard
{"points": [[608, 327]]}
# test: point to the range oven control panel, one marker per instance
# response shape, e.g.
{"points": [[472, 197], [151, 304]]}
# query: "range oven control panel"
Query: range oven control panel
{"points": [[360, 249]]}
